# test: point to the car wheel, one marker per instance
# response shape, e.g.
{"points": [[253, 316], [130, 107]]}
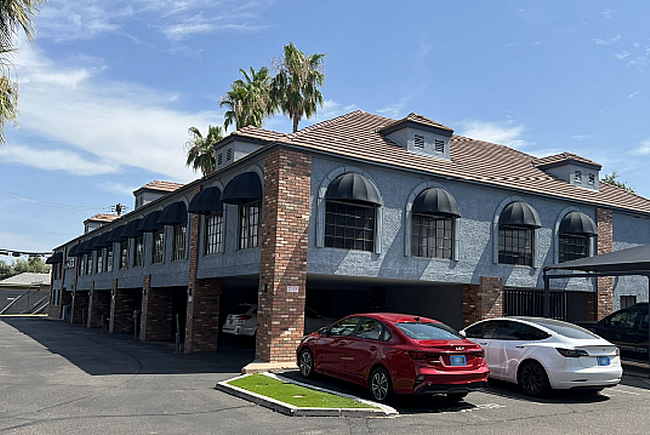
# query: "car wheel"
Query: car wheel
{"points": [[533, 380], [380, 385], [456, 397], [306, 363]]}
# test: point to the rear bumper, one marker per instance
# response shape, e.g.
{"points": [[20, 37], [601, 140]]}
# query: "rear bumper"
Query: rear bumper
{"points": [[585, 378], [238, 330], [432, 389]]}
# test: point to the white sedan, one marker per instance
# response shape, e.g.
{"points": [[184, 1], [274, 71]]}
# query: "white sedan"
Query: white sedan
{"points": [[541, 354], [243, 323]]}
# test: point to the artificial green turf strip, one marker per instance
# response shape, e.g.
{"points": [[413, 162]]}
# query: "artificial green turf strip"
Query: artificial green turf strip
{"points": [[293, 394]]}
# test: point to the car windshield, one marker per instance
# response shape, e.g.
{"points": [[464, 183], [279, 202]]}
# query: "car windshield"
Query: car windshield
{"points": [[566, 329], [428, 331]]}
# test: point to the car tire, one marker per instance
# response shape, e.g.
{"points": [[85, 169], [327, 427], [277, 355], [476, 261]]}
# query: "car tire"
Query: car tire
{"points": [[456, 397], [380, 385], [306, 363], [532, 379]]}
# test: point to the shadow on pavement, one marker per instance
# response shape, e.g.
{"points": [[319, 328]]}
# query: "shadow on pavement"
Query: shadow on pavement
{"points": [[512, 391], [110, 354]]}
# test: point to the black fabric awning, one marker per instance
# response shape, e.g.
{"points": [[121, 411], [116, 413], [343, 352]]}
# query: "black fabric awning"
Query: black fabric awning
{"points": [[353, 187], [149, 224], [206, 201], [85, 247], [102, 241], [578, 223], [56, 258], [173, 214], [520, 214], [635, 259], [92, 244], [74, 251], [115, 235], [242, 189], [436, 201], [131, 230]]}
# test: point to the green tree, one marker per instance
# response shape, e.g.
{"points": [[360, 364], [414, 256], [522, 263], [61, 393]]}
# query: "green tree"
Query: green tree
{"points": [[249, 99], [15, 15], [295, 87], [32, 265], [5, 270], [614, 181], [200, 150]]}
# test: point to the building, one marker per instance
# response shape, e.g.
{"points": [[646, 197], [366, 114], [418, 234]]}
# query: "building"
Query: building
{"points": [[25, 293], [357, 213]]}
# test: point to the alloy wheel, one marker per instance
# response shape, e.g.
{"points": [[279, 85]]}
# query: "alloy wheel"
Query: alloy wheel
{"points": [[532, 379], [379, 385], [306, 363]]}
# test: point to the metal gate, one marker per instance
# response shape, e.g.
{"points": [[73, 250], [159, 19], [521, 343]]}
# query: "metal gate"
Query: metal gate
{"points": [[518, 302]]}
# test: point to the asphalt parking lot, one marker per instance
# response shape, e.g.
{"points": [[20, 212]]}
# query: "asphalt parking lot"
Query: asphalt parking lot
{"points": [[60, 378]]}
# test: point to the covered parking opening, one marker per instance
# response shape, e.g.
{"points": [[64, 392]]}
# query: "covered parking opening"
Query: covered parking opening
{"points": [[99, 308], [79, 310], [126, 309], [164, 311], [333, 297], [237, 293], [626, 262]]}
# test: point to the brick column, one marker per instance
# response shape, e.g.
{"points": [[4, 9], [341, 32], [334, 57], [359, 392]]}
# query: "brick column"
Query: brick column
{"points": [[483, 301], [283, 265], [605, 287], [202, 325], [590, 306], [156, 317]]}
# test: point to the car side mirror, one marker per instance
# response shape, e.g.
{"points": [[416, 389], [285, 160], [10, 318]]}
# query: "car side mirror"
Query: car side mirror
{"points": [[462, 334], [323, 331]]}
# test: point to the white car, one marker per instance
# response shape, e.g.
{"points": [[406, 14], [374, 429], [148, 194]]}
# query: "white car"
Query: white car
{"points": [[541, 354], [243, 323]]}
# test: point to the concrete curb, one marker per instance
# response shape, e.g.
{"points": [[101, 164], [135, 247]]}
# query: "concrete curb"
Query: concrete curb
{"points": [[294, 411]]}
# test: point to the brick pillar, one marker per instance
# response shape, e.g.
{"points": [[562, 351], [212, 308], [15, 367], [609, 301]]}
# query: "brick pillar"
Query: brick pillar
{"points": [[79, 306], [376, 299], [483, 301], [202, 325], [156, 317], [605, 300], [74, 288], [89, 310], [590, 306], [99, 307], [283, 265]]}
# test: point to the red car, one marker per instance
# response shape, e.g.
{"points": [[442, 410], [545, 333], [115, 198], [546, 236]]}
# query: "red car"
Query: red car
{"points": [[395, 354]]}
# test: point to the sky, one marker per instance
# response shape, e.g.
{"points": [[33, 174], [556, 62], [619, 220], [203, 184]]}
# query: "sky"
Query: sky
{"points": [[108, 89]]}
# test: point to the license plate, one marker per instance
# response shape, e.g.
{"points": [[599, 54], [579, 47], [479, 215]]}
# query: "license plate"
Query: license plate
{"points": [[458, 360], [603, 361]]}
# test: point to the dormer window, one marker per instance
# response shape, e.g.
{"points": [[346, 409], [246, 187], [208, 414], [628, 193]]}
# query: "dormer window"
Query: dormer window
{"points": [[439, 146], [418, 141], [592, 179], [578, 177]]}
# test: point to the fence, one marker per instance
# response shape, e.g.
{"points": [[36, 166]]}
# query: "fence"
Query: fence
{"points": [[531, 303], [23, 301]]}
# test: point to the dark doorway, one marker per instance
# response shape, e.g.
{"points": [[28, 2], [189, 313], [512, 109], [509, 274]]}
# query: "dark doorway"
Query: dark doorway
{"points": [[179, 313]]}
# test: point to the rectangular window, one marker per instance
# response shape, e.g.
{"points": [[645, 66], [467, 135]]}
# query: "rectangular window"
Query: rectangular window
{"points": [[180, 238], [82, 265], [124, 250], [158, 246], [418, 141], [439, 145], [109, 258], [628, 301], [139, 251], [573, 246], [431, 236], [249, 225], [89, 264], [516, 245], [99, 264], [349, 226], [213, 233]]}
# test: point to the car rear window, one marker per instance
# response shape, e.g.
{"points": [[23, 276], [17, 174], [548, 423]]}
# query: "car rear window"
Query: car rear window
{"points": [[428, 331], [567, 329]]}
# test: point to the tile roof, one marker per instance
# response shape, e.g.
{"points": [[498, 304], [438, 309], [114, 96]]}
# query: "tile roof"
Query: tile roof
{"points": [[28, 278], [563, 157], [418, 119], [357, 135], [259, 133], [102, 217], [164, 186]]}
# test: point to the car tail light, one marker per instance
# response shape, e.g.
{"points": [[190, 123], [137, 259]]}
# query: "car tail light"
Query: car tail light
{"points": [[479, 353], [618, 352], [420, 355], [572, 353], [245, 317]]}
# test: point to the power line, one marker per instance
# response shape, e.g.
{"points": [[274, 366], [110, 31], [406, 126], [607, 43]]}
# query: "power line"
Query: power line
{"points": [[52, 204]]}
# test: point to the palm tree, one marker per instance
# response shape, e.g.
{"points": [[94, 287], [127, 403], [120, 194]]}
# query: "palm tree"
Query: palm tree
{"points": [[14, 15], [295, 87], [200, 150], [249, 99]]}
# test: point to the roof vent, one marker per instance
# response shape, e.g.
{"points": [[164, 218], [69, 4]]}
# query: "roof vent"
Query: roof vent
{"points": [[572, 168], [418, 141]]}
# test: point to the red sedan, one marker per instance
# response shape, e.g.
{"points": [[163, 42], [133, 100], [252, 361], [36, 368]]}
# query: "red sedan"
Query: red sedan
{"points": [[395, 354]]}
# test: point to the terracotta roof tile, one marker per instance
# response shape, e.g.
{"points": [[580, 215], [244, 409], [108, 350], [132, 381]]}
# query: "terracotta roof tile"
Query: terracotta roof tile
{"points": [[419, 119], [102, 217], [259, 133], [165, 186], [563, 157]]}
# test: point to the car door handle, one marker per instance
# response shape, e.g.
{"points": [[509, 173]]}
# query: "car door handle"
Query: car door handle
{"points": [[521, 346], [343, 343], [373, 348], [483, 344]]}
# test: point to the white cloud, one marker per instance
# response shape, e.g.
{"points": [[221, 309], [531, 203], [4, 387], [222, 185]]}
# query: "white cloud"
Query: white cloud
{"points": [[115, 124], [117, 188], [395, 110], [505, 134], [54, 160], [633, 94], [638, 57], [581, 137], [644, 148], [610, 41]]}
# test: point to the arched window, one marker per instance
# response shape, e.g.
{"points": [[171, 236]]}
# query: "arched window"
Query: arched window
{"points": [[575, 236], [433, 218], [351, 203], [517, 224]]}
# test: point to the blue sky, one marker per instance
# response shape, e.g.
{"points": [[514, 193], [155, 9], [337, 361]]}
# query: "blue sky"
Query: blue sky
{"points": [[109, 88]]}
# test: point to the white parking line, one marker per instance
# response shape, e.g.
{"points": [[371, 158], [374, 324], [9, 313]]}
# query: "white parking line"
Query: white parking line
{"points": [[633, 393]]}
